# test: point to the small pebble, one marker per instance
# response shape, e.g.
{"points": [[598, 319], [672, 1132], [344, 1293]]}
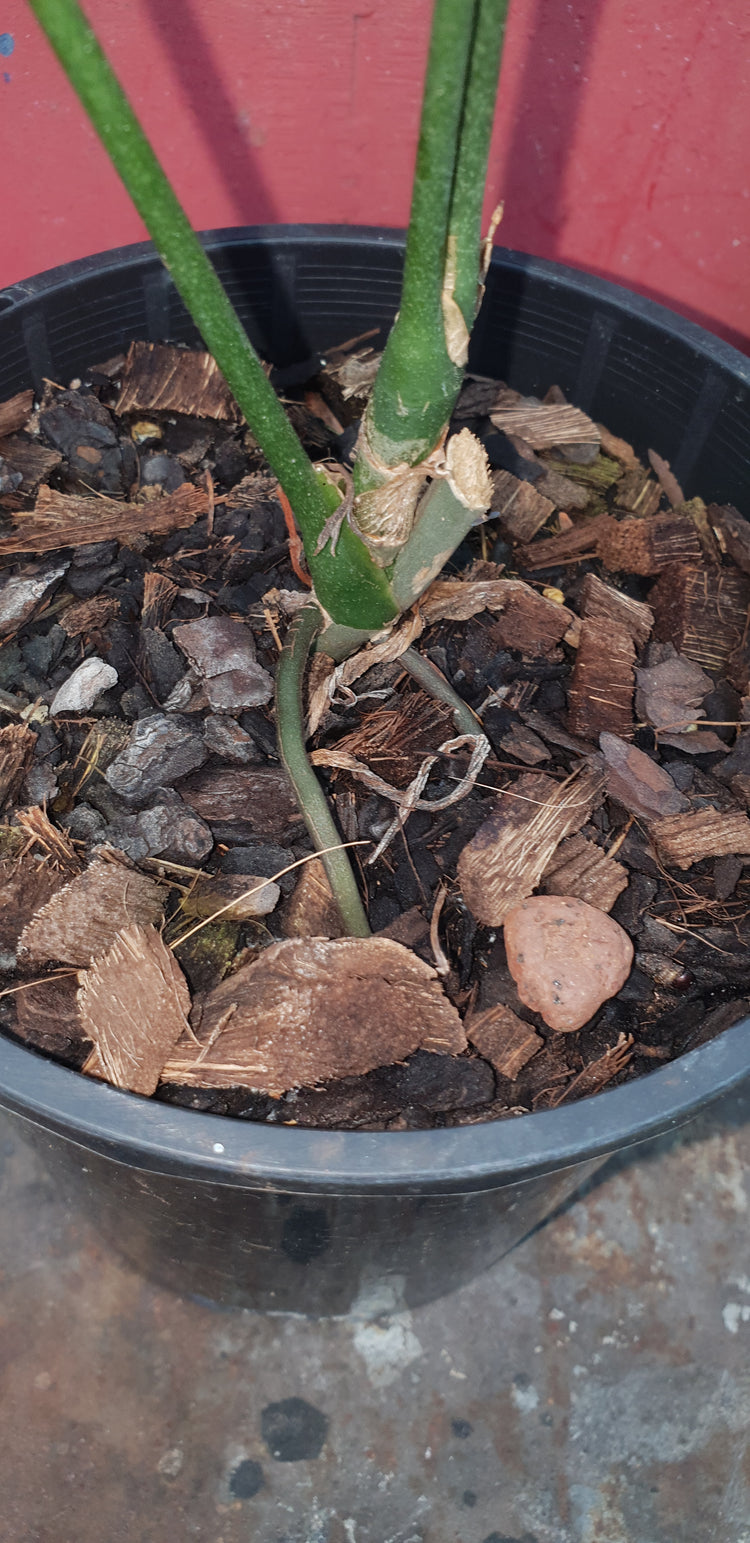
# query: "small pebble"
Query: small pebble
{"points": [[566, 958]]}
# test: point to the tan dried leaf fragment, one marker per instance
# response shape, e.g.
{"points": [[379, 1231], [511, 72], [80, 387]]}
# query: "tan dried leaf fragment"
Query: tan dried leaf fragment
{"points": [[82, 920], [308, 1010], [504, 862], [134, 1004]]}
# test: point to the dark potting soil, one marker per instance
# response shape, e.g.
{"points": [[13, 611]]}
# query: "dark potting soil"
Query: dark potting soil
{"points": [[617, 657]]}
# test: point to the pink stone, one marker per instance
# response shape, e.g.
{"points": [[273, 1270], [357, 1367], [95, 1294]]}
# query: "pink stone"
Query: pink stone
{"points": [[566, 958]]}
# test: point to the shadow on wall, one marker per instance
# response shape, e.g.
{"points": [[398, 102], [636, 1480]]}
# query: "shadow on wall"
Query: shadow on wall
{"points": [[559, 43], [237, 168]]}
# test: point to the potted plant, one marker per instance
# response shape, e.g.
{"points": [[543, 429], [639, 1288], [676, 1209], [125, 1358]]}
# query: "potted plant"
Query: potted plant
{"points": [[209, 1190]]}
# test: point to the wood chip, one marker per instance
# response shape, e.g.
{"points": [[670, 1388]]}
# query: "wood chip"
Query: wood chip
{"points": [[15, 412], [159, 378], [521, 509], [64, 519], [258, 800], [504, 862], [601, 602], [734, 532], [638, 493], [158, 595], [82, 920], [16, 751], [311, 911], [521, 742], [525, 619], [684, 839], [44, 838], [702, 612], [600, 696], [309, 1010], [393, 741], [134, 1003], [635, 781], [581, 541], [618, 449], [546, 427], [503, 1039], [32, 459], [582, 869]]}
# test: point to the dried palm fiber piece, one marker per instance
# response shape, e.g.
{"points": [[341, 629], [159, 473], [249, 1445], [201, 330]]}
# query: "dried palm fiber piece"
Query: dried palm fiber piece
{"points": [[504, 862], [134, 1003], [307, 1010]]}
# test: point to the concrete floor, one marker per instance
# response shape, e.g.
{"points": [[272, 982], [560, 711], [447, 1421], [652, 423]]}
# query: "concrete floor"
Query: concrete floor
{"points": [[592, 1388]]}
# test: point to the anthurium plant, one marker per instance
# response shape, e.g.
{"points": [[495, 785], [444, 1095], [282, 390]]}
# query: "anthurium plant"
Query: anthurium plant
{"points": [[376, 537]]}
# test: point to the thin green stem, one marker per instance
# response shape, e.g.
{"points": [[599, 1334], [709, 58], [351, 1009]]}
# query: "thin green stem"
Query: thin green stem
{"points": [[432, 680], [311, 798], [352, 589], [465, 224]]}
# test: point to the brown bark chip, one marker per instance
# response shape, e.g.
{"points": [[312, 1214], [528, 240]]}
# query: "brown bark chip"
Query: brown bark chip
{"points": [[134, 1003], [566, 958], [684, 839], [47, 1017], [521, 509], [600, 699], [503, 1039], [734, 532], [600, 602], [702, 612], [15, 412], [580, 868], [65, 519], [309, 1010], [82, 920], [159, 378], [258, 800], [636, 782], [509, 853]]}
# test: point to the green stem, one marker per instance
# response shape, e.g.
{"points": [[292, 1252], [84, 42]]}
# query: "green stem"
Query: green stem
{"points": [[433, 681], [465, 224], [417, 383], [310, 796], [351, 587]]}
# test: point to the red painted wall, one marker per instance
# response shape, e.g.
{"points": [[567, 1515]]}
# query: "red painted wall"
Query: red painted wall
{"points": [[622, 142]]}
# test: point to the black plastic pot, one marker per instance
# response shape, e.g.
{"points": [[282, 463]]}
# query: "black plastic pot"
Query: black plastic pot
{"points": [[317, 1221]]}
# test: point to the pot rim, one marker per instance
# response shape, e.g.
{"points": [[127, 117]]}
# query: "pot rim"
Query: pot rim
{"points": [[162, 1138]]}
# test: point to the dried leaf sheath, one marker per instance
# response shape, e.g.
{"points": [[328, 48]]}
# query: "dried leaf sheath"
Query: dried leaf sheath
{"points": [[134, 1003]]}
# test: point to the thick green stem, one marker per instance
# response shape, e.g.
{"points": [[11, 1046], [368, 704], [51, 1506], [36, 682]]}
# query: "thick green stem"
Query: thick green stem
{"points": [[417, 382], [351, 587], [465, 224], [311, 798]]}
